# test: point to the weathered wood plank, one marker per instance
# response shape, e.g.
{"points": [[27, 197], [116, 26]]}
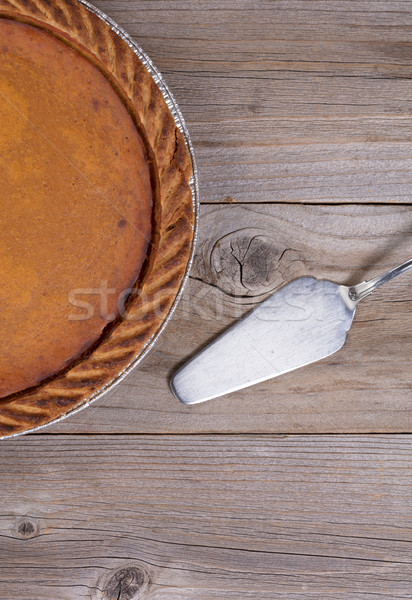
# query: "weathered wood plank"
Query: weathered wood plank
{"points": [[308, 172], [206, 517], [288, 101], [243, 254]]}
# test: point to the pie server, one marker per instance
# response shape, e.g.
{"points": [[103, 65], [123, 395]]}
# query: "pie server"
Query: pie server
{"points": [[303, 322]]}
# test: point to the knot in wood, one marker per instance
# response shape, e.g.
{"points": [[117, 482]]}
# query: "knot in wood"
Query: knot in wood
{"points": [[125, 584], [26, 528], [250, 262]]}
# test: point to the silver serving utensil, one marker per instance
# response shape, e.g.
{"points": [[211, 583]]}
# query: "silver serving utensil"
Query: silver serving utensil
{"points": [[305, 321]]}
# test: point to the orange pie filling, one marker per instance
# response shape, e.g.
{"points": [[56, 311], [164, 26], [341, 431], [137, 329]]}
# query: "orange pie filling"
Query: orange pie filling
{"points": [[76, 205]]}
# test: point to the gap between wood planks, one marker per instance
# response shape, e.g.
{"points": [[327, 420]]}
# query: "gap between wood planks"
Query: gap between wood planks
{"points": [[219, 433], [305, 204]]}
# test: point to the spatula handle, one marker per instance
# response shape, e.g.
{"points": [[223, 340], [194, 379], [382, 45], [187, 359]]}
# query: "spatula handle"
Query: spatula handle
{"points": [[360, 291]]}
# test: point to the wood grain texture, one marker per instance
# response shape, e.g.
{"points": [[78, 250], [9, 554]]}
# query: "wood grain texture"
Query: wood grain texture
{"points": [[288, 101], [178, 518], [243, 254]]}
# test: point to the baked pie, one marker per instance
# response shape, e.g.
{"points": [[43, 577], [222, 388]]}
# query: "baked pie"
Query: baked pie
{"points": [[96, 209]]}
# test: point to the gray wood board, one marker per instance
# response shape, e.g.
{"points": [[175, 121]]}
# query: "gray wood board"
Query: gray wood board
{"points": [[207, 517]]}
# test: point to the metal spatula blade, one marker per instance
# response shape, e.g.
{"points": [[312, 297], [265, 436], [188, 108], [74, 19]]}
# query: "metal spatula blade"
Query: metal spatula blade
{"points": [[305, 321]]}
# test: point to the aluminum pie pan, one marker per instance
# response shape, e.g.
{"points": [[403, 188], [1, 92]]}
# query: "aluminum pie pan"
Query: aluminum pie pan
{"points": [[194, 186]]}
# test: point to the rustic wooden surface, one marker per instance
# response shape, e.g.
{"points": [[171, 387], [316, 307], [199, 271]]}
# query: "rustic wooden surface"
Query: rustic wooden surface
{"points": [[206, 517], [301, 118]]}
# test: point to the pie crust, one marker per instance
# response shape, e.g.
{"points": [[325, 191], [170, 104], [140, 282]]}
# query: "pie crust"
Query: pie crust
{"points": [[124, 341]]}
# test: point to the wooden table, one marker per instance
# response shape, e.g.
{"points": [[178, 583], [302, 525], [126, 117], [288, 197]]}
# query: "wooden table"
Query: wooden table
{"points": [[300, 488]]}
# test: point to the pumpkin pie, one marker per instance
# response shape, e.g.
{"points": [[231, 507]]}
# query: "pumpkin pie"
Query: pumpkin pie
{"points": [[96, 209]]}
